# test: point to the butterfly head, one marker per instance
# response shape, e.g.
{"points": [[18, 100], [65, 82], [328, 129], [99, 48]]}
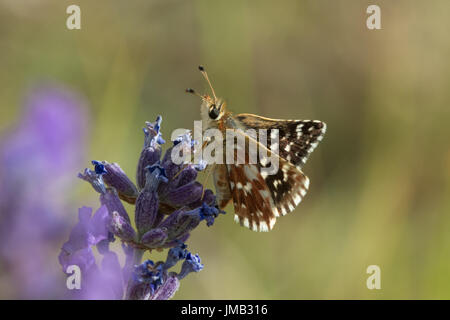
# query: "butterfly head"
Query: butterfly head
{"points": [[212, 108]]}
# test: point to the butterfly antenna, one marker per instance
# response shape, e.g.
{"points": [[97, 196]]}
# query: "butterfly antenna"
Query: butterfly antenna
{"points": [[192, 91], [203, 71]]}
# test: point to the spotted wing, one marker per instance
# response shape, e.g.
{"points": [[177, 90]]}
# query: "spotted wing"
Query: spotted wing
{"points": [[259, 198], [297, 138], [222, 185]]}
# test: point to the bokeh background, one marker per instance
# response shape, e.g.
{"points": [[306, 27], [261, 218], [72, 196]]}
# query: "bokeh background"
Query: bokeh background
{"points": [[380, 180]]}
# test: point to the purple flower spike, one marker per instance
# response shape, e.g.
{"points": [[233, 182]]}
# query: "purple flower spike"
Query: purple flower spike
{"points": [[115, 177], [169, 205], [121, 228], [191, 264], [154, 238], [167, 289]]}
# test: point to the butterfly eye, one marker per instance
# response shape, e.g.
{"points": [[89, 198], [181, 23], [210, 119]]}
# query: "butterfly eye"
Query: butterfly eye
{"points": [[213, 112]]}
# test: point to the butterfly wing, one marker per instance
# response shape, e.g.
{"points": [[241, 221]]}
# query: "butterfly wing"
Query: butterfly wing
{"points": [[297, 138], [222, 185], [260, 198]]}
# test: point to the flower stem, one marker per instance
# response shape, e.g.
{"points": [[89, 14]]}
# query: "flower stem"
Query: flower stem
{"points": [[138, 253]]}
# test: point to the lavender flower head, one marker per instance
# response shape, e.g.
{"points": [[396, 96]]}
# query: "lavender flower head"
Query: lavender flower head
{"points": [[169, 205], [36, 158]]}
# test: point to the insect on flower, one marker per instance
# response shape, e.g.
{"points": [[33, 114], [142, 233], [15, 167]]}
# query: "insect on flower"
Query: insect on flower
{"points": [[258, 197]]}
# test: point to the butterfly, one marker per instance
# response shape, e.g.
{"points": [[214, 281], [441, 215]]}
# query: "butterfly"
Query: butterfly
{"points": [[260, 198]]}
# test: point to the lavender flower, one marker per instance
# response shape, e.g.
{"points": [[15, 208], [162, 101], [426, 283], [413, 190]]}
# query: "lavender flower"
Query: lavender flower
{"points": [[36, 161], [169, 205]]}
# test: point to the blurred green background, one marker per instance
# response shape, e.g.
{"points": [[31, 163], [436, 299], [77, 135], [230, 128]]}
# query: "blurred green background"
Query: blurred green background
{"points": [[380, 180]]}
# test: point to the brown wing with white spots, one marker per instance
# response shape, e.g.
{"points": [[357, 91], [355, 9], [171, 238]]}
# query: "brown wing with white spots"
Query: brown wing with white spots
{"points": [[258, 202], [222, 185], [259, 198], [297, 138]]}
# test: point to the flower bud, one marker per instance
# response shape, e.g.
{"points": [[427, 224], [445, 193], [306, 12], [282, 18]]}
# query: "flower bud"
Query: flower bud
{"points": [[115, 177], [180, 223], [174, 255], [121, 228], [94, 179], [147, 203], [191, 264], [184, 195], [167, 289], [111, 200]]}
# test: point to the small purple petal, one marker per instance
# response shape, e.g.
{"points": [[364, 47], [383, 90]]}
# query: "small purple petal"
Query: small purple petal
{"points": [[79, 237], [99, 167], [99, 225]]}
